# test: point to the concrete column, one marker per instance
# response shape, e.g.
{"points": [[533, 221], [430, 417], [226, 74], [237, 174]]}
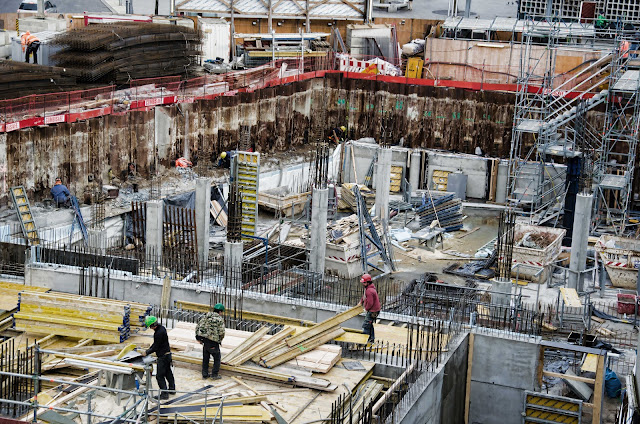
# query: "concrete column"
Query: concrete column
{"points": [[383, 183], [203, 207], [414, 171], [499, 291], [97, 239], [579, 240], [153, 232], [319, 203], [232, 263]]}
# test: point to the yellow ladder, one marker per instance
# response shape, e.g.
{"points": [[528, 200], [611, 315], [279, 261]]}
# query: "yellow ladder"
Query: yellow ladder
{"points": [[23, 209]]}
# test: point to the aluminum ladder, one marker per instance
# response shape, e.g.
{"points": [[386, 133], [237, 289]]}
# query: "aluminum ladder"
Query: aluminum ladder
{"points": [[23, 209]]}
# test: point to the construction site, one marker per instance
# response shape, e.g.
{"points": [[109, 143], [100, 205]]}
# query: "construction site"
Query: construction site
{"points": [[272, 164]]}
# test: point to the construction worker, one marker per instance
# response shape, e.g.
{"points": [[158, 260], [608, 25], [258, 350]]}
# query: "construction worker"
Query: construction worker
{"points": [[371, 304], [209, 333], [61, 194], [162, 350], [32, 44], [337, 135], [224, 160]]}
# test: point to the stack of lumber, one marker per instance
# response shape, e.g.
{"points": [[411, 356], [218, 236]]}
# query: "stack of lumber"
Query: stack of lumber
{"points": [[9, 300], [306, 340], [447, 210], [235, 352], [78, 316], [348, 198]]}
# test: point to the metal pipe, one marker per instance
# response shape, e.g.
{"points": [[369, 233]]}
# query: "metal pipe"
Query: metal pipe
{"points": [[56, 408], [73, 383]]}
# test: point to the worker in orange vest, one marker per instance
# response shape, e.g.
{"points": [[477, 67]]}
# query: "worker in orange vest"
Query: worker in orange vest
{"points": [[624, 48], [32, 44]]}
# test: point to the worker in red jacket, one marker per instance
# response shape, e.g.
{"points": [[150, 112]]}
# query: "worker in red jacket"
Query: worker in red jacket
{"points": [[371, 304], [32, 44]]}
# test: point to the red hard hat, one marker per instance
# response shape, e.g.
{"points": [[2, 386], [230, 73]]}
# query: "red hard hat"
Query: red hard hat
{"points": [[366, 278]]}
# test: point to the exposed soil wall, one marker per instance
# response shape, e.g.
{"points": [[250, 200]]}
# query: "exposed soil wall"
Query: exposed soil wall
{"points": [[82, 153]]}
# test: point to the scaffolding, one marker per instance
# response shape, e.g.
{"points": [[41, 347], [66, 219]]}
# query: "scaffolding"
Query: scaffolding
{"points": [[616, 155], [555, 150]]}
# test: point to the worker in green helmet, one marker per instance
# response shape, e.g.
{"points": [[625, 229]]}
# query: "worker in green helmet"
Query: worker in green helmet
{"points": [[162, 350], [209, 333]]}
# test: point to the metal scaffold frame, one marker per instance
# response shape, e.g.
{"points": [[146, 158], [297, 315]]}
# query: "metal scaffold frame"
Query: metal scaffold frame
{"points": [[554, 124], [613, 181]]}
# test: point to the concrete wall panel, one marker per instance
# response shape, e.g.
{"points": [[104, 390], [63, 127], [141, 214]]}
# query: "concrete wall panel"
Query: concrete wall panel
{"points": [[502, 369]]}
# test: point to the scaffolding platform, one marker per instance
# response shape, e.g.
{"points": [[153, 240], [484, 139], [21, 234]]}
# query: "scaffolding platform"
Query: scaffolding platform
{"points": [[629, 82], [530, 125], [614, 182], [559, 148]]}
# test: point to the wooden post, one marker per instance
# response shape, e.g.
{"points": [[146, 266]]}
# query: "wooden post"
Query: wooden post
{"points": [[598, 389], [467, 394], [540, 368]]}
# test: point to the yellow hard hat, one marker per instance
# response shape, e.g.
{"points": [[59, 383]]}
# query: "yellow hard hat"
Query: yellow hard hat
{"points": [[223, 155], [343, 128]]}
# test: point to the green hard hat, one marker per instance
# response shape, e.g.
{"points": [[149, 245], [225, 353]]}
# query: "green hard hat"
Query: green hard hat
{"points": [[218, 307], [150, 320]]}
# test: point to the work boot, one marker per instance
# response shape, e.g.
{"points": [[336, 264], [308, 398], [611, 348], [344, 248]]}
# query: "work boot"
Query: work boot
{"points": [[164, 396], [205, 376], [215, 377]]}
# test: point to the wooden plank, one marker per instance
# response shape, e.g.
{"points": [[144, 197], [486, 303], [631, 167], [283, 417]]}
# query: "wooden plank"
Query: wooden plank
{"points": [[262, 346], [598, 389], [494, 180], [568, 377], [570, 297], [297, 350], [254, 338], [540, 366], [468, 389], [590, 363], [309, 382], [325, 325], [219, 214]]}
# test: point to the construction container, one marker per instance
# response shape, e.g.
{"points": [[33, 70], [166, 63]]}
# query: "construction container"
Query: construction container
{"points": [[215, 38], [45, 51], [621, 258], [536, 259], [281, 200], [627, 303]]}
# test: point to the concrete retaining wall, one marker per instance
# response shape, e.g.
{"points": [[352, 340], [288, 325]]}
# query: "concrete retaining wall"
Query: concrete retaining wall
{"points": [[125, 286], [502, 369], [442, 400]]}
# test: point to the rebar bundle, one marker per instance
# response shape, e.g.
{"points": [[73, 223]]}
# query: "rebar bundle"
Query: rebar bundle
{"points": [[386, 129], [245, 138], [128, 50], [21, 79], [155, 189], [321, 164], [506, 233], [234, 205], [97, 210]]}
